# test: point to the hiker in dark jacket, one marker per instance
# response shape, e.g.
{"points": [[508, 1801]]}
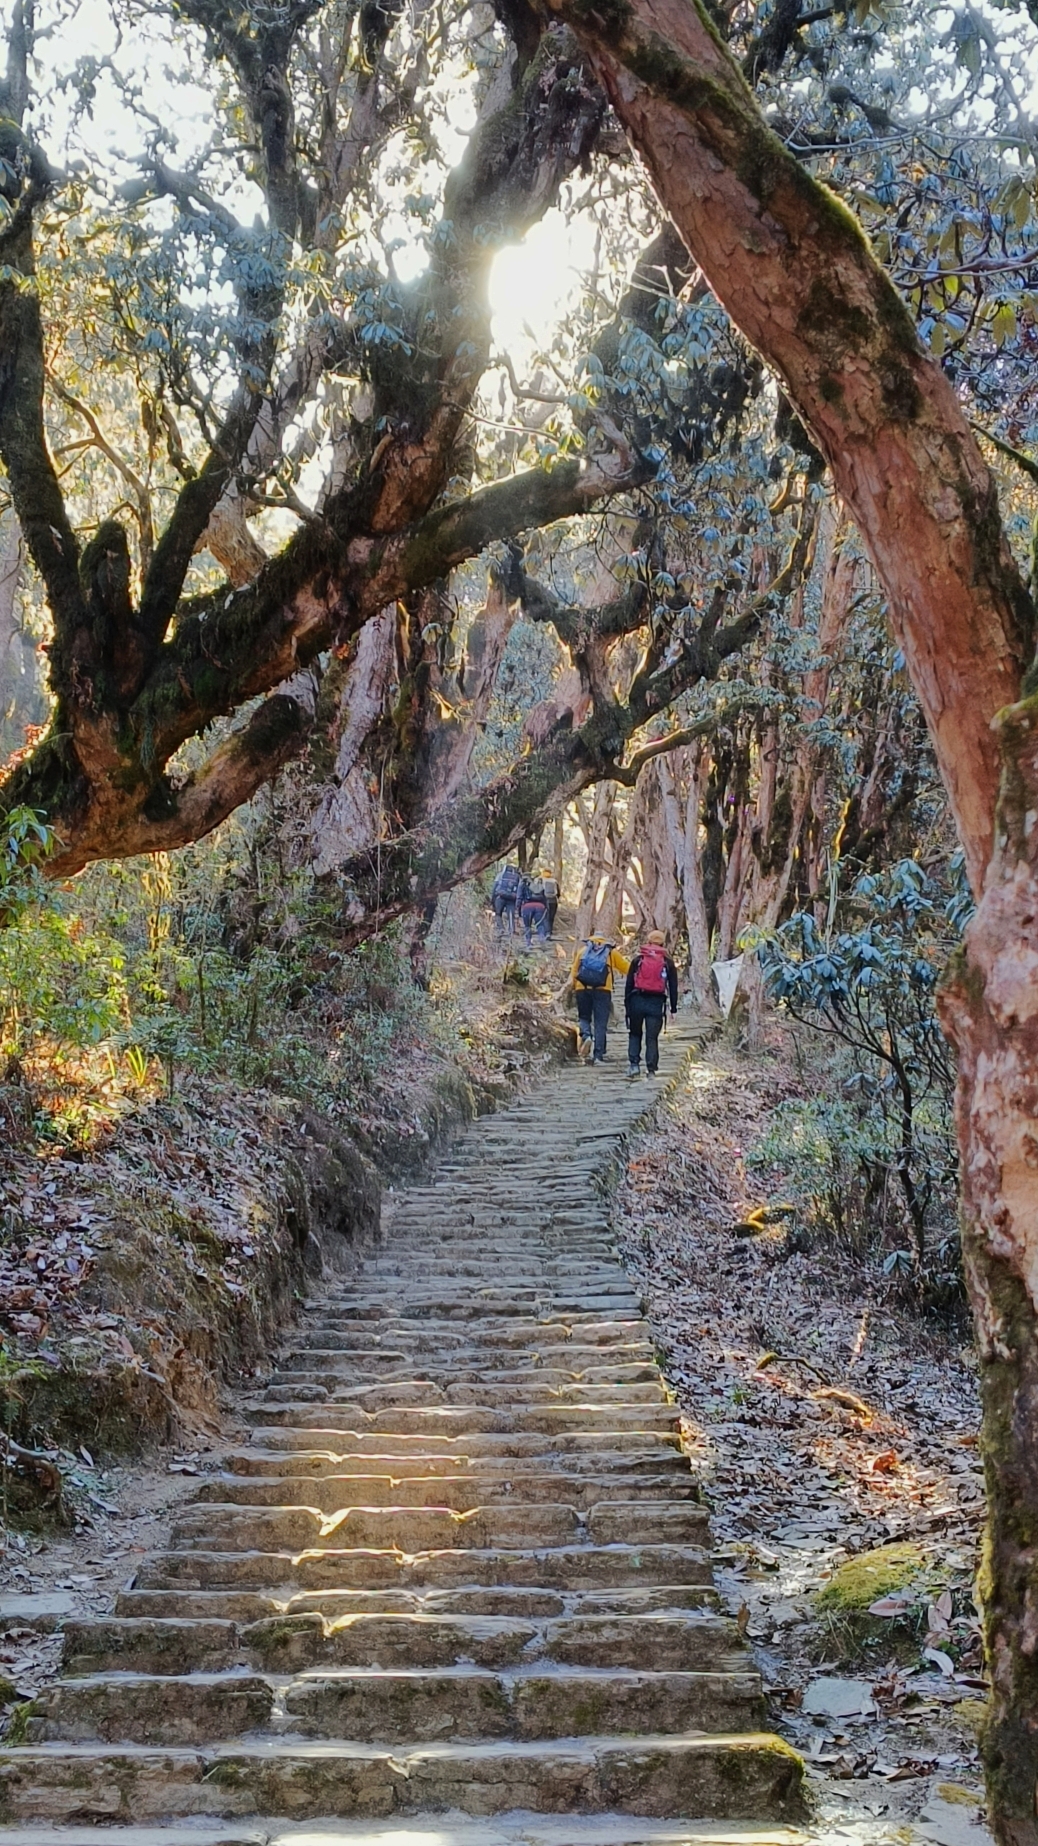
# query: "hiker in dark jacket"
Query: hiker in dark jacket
{"points": [[533, 908], [652, 979], [503, 898]]}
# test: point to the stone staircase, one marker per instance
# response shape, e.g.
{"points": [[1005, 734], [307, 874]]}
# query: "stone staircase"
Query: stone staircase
{"points": [[457, 1571]]}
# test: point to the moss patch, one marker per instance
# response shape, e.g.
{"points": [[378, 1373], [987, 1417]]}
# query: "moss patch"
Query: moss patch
{"points": [[864, 1579], [844, 1604]]}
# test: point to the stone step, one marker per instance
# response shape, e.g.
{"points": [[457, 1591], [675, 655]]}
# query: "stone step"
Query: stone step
{"points": [[530, 1392], [330, 1491], [563, 1567], [593, 1446], [515, 1829], [409, 1705], [742, 1777], [531, 1603], [554, 1367], [477, 1419], [464, 1703], [579, 1466], [410, 1529], [409, 1333], [506, 1830], [673, 1641]]}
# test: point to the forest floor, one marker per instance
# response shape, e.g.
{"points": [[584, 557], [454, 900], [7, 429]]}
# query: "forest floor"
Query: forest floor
{"points": [[836, 1433]]}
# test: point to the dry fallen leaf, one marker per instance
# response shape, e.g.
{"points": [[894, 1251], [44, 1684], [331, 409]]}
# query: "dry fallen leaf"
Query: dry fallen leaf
{"points": [[885, 1463]]}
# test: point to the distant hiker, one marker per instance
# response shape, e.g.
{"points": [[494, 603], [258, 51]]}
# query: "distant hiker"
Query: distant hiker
{"points": [[551, 898], [652, 979], [591, 978], [533, 908], [503, 898]]}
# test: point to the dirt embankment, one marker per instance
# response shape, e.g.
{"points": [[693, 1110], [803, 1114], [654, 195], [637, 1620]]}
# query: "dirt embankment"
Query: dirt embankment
{"points": [[139, 1279]]}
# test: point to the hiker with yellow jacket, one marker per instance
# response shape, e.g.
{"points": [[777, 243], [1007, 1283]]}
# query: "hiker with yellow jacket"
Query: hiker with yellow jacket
{"points": [[595, 965]]}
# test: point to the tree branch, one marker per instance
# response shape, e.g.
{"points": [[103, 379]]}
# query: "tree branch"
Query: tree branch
{"points": [[799, 279]]}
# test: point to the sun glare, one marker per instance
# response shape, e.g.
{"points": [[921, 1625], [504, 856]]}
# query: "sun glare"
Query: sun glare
{"points": [[535, 283]]}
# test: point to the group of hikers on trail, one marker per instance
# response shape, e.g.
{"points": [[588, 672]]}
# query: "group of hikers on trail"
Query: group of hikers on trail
{"points": [[650, 981], [529, 899]]}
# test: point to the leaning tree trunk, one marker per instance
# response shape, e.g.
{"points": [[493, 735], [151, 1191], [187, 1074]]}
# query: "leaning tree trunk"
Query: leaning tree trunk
{"points": [[989, 1008]]}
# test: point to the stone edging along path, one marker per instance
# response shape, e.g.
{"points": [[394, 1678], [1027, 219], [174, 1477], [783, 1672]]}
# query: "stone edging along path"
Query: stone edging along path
{"points": [[456, 1588]]}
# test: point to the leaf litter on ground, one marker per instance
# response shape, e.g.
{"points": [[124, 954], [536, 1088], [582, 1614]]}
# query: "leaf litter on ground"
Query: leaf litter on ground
{"points": [[826, 1421]]}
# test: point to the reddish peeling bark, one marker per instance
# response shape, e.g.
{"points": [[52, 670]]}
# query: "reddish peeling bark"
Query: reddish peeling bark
{"points": [[798, 278], [990, 1011]]}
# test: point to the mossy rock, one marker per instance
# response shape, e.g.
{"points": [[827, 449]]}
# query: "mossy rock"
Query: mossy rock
{"points": [[872, 1574], [845, 1602]]}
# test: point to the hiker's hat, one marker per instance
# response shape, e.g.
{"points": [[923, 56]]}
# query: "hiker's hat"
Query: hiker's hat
{"points": [[656, 935]]}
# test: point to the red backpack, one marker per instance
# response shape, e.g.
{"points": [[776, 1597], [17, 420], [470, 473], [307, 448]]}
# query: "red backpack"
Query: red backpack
{"points": [[650, 976]]}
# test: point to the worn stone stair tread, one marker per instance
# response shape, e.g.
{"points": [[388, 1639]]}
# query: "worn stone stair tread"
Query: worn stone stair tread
{"points": [[459, 1492], [727, 1776], [515, 1829], [658, 1640], [537, 1603], [383, 1705], [579, 1472], [367, 1567], [510, 1523]]}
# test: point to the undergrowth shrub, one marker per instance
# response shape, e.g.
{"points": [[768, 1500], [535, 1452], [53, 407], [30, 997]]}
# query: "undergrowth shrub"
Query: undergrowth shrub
{"points": [[869, 1154], [220, 960]]}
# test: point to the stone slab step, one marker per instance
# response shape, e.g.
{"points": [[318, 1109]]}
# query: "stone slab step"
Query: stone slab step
{"points": [[533, 1604], [576, 1463], [745, 1777], [329, 1491], [564, 1567], [532, 1330], [474, 1445], [515, 1829], [408, 1705], [465, 1703], [505, 1366], [477, 1419], [674, 1641], [530, 1390], [351, 1526]]}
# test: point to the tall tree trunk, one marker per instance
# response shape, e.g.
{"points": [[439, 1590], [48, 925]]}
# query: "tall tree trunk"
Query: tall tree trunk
{"points": [[597, 862], [990, 1010], [681, 810]]}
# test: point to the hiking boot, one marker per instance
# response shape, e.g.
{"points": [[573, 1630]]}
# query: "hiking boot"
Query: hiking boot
{"points": [[583, 1047], [634, 1070]]}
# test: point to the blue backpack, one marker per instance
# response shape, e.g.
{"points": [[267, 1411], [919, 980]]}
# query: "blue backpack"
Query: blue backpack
{"points": [[506, 883], [593, 968]]}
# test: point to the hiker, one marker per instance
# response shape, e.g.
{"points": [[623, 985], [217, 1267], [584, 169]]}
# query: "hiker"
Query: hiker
{"points": [[533, 908], [551, 898], [591, 978], [652, 979], [503, 896]]}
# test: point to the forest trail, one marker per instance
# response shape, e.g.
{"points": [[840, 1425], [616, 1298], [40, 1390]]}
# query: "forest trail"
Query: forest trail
{"points": [[458, 1572]]}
